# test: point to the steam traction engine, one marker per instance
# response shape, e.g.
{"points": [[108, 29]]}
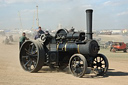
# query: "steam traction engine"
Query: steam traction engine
{"points": [[74, 49]]}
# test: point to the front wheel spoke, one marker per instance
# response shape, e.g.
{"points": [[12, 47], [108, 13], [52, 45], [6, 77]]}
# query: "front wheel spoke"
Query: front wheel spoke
{"points": [[75, 59], [74, 62], [102, 69], [72, 67], [97, 67], [102, 60], [96, 60], [81, 70], [78, 70], [94, 64], [75, 73], [78, 59], [98, 70], [103, 63], [81, 65]]}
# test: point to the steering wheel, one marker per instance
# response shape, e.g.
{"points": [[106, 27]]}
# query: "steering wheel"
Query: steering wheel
{"points": [[43, 37]]}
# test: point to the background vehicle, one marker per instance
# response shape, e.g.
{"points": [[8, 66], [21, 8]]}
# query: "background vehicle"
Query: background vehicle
{"points": [[119, 46]]}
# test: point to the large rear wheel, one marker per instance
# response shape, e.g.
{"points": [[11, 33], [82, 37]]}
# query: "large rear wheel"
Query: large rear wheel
{"points": [[32, 56]]}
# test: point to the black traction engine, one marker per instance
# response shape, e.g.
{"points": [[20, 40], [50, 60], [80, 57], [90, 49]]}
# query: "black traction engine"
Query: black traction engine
{"points": [[77, 50]]}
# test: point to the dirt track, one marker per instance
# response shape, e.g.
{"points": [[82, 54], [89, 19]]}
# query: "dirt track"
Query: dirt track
{"points": [[11, 72]]}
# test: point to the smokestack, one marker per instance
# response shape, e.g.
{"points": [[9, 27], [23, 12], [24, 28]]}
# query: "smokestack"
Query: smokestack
{"points": [[89, 23]]}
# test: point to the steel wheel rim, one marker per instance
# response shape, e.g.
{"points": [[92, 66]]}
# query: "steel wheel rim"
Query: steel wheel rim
{"points": [[77, 66], [100, 65], [29, 59]]}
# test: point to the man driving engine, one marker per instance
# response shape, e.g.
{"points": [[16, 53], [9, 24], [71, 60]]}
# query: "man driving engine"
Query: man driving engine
{"points": [[39, 32]]}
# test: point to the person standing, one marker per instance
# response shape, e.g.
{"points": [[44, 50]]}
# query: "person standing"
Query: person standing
{"points": [[23, 38]]}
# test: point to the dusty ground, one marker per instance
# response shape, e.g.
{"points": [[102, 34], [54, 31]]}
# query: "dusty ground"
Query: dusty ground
{"points": [[11, 72]]}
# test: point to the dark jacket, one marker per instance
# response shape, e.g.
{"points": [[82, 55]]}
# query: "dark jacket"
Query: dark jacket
{"points": [[39, 34]]}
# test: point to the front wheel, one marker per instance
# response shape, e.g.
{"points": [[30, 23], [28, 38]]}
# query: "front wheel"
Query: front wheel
{"points": [[100, 64], [78, 65]]}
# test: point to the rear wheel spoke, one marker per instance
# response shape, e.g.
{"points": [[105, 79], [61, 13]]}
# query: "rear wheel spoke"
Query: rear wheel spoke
{"points": [[32, 48], [34, 62], [32, 56], [27, 51], [29, 48], [25, 57], [27, 62], [30, 64]]}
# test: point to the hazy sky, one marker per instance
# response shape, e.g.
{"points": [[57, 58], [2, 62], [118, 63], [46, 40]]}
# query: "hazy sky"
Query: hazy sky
{"points": [[108, 14]]}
